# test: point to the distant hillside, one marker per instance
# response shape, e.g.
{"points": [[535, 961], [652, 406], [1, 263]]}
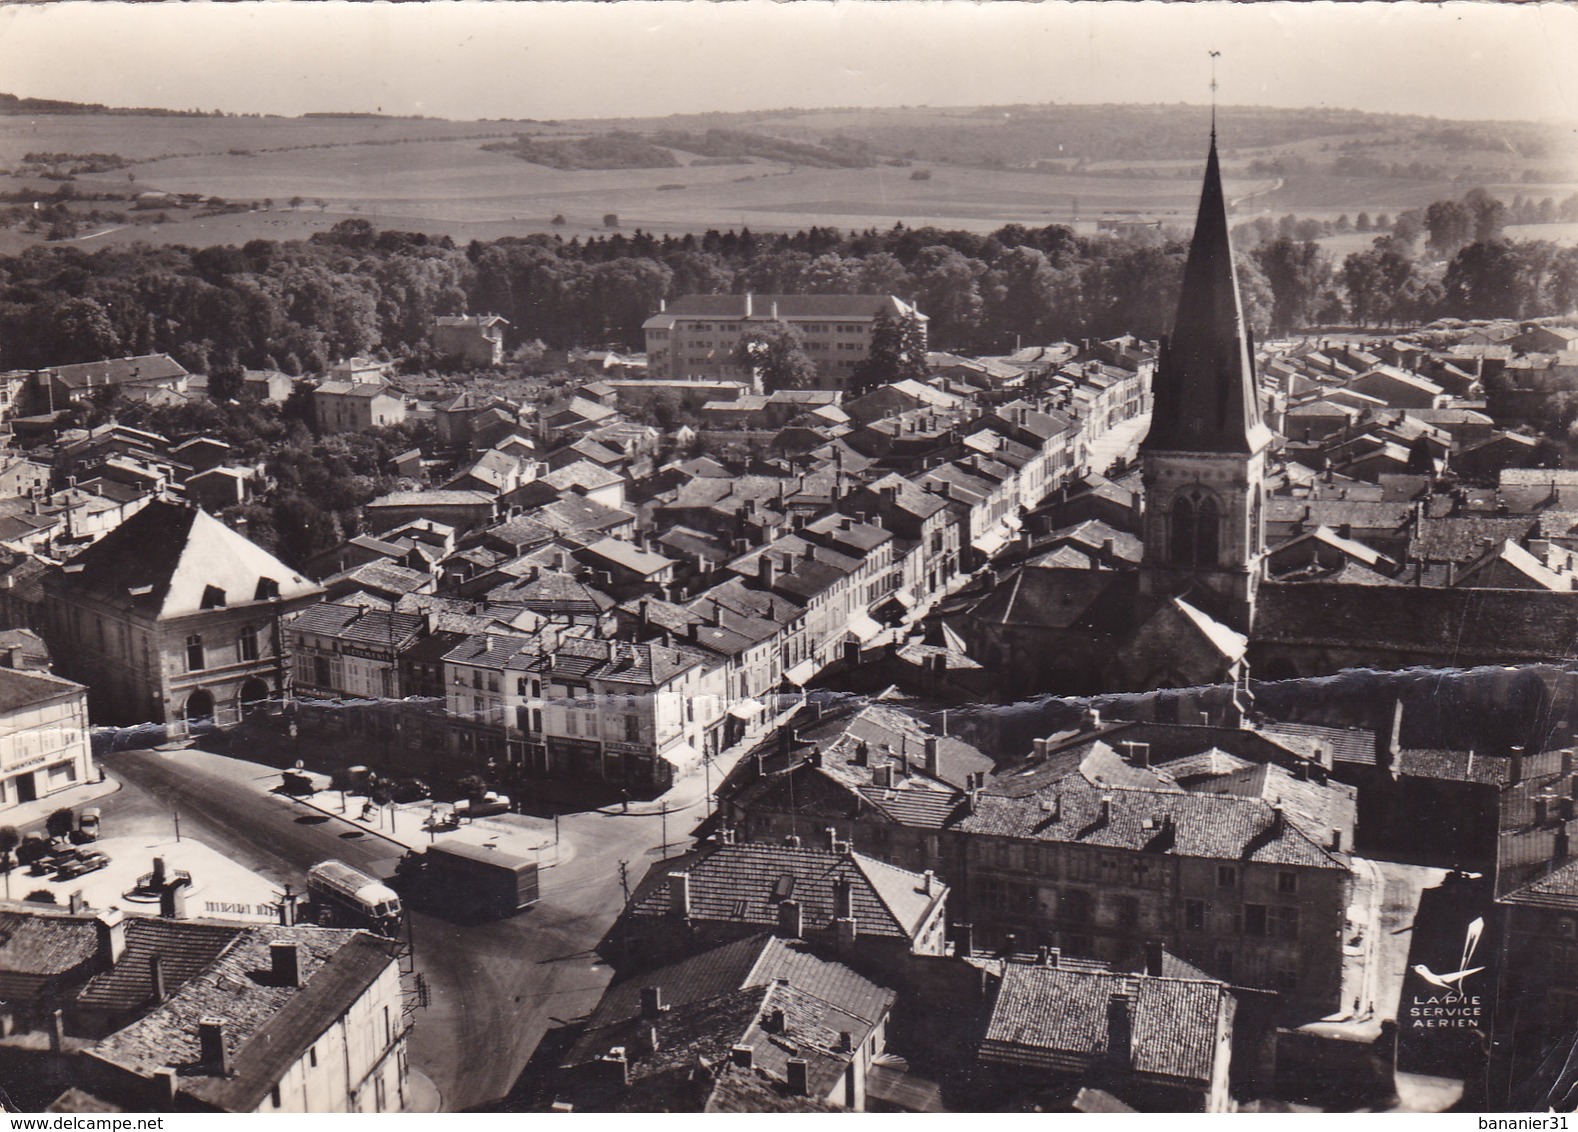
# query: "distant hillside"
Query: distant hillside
{"points": [[1134, 138], [11, 104]]}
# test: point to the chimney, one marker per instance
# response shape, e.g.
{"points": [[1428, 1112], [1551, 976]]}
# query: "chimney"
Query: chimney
{"points": [[111, 927], [168, 1087], [1515, 764], [1277, 819], [791, 920], [652, 1005], [846, 1041], [748, 304], [1120, 1029], [1092, 719], [172, 901], [847, 933], [76, 902], [843, 900], [286, 963], [1153, 957], [797, 1076], [1039, 749], [1336, 840], [1139, 754], [156, 978], [964, 939], [931, 755], [862, 754], [1106, 809], [616, 1064], [214, 1049], [929, 883], [679, 894], [743, 1056], [57, 1031], [1542, 809]]}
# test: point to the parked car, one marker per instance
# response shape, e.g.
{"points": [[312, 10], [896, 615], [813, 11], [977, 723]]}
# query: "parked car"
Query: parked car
{"points": [[489, 803], [88, 862], [404, 790]]}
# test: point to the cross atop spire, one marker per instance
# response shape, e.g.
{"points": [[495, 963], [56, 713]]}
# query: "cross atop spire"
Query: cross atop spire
{"points": [[1215, 55], [1205, 397]]}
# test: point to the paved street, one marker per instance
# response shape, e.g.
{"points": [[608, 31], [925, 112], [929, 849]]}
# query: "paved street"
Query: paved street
{"points": [[495, 986]]}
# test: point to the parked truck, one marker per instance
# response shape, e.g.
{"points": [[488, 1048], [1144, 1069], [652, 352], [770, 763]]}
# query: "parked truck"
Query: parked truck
{"points": [[476, 878], [343, 897]]}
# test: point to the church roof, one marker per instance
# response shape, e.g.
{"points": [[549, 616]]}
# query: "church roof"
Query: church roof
{"points": [[1205, 397], [173, 560]]}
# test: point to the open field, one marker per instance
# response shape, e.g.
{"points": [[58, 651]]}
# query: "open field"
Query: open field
{"points": [[435, 177]]}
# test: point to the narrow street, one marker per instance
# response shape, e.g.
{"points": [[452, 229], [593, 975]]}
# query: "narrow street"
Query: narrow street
{"points": [[496, 986]]}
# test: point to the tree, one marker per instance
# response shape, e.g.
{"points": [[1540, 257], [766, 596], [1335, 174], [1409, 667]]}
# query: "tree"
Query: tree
{"points": [[9, 840], [610, 220], [1297, 273], [60, 822], [1450, 224], [226, 380], [295, 203], [898, 351], [775, 355], [1487, 214]]}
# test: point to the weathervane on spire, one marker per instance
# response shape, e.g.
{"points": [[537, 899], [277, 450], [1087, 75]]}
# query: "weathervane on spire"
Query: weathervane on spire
{"points": [[1215, 55]]}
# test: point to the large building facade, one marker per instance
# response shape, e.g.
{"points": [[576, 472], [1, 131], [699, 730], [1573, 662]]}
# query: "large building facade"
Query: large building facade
{"points": [[173, 618], [695, 336]]}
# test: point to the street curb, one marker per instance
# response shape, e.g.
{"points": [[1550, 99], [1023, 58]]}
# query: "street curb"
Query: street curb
{"points": [[347, 819]]}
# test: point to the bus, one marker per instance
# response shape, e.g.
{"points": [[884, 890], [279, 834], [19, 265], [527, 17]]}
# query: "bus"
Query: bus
{"points": [[343, 897]]}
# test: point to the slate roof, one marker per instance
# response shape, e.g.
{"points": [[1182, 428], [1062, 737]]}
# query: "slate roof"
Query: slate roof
{"points": [[1463, 538], [20, 689], [1354, 745], [268, 1026], [164, 558], [1454, 766], [1556, 889], [1053, 1010], [1437, 626], [1208, 826], [644, 665], [119, 371], [185, 949], [43, 945], [741, 884], [356, 623]]}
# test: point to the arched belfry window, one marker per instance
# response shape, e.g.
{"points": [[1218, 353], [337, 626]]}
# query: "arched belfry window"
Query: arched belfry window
{"points": [[1196, 524]]}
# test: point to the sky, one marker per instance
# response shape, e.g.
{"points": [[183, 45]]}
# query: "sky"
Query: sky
{"points": [[643, 58]]}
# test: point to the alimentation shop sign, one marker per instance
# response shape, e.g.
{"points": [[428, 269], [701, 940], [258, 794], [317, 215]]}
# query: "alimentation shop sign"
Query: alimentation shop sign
{"points": [[1448, 999]]}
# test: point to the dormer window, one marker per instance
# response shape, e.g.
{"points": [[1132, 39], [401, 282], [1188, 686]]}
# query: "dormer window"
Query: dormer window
{"points": [[267, 588], [213, 597]]}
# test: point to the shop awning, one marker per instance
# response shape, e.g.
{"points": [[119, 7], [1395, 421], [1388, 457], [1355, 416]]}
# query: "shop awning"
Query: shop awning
{"points": [[800, 673], [863, 628], [747, 709], [990, 543], [904, 598], [683, 758]]}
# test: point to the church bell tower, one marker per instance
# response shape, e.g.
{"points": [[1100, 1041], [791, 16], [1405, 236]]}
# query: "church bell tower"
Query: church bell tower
{"points": [[1203, 461]]}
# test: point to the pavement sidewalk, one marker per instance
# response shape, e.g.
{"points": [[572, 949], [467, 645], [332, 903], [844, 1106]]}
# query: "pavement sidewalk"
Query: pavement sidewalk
{"points": [[407, 826], [29, 815]]}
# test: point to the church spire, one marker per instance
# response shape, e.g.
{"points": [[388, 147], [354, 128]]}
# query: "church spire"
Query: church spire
{"points": [[1205, 397]]}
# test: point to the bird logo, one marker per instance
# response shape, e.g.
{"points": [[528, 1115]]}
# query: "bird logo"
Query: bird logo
{"points": [[1452, 983]]}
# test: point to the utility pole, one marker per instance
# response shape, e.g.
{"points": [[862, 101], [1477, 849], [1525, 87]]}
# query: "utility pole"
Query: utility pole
{"points": [[177, 815], [624, 879]]}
